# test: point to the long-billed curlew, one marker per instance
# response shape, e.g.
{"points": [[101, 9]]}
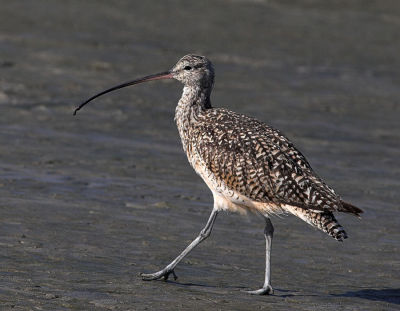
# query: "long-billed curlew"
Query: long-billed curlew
{"points": [[246, 164]]}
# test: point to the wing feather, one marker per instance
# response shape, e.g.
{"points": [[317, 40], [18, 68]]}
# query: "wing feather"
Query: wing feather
{"points": [[259, 162]]}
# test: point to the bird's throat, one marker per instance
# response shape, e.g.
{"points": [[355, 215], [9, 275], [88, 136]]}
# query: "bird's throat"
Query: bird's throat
{"points": [[194, 101]]}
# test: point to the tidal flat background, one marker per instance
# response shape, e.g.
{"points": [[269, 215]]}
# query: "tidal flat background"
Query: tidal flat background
{"points": [[89, 202]]}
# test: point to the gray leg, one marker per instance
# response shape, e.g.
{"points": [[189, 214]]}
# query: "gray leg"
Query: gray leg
{"points": [[204, 234], [267, 288]]}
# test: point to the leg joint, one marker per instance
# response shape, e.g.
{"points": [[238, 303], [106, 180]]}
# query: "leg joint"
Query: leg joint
{"points": [[204, 234]]}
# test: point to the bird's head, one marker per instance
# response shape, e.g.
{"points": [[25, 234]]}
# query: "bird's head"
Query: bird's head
{"points": [[194, 70], [191, 70]]}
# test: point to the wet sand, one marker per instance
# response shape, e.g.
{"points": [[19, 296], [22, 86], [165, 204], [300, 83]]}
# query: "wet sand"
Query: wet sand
{"points": [[89, 202]]}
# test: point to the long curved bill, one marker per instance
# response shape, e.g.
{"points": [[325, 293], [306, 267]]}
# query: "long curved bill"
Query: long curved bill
{"points": [[157, 76]]}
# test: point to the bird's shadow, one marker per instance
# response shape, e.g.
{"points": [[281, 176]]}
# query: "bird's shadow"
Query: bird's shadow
{"points": [[278, 292], [189, 284], [391, 295]]}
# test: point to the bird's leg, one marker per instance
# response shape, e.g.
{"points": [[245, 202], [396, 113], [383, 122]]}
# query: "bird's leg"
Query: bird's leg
{"points": [[267, 288], [204, 234]]}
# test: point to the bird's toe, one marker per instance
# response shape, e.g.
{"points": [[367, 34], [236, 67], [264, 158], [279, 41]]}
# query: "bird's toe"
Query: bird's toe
{"points": [[266, 290], [158, 275]]}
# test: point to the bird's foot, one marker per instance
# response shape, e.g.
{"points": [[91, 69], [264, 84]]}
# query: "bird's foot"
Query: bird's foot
{"points": [[266, 290], [158, 275]]}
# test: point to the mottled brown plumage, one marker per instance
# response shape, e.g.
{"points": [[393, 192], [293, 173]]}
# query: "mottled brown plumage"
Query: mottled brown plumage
{"points": [[239, 156], [246, 164]]}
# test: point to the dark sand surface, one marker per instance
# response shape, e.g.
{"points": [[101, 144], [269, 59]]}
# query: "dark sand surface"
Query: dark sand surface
{"points": [[89, 202]]}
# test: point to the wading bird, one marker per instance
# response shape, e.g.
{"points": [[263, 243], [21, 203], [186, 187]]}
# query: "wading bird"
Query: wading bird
{"points": [[248, 165]]}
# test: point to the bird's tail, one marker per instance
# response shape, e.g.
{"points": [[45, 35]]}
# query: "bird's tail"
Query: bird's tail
{"points": [[351, 209], [324, 221]]}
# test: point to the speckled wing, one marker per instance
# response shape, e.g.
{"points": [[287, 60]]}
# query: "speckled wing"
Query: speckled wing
{"points": [[257, 161]]}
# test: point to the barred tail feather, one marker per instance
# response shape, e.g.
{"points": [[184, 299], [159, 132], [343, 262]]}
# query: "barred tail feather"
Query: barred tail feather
{"points": [[324, 221]]}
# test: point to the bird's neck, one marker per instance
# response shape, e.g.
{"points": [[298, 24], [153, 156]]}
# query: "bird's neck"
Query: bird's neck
{"points": [[194, 96], [194, 101]]}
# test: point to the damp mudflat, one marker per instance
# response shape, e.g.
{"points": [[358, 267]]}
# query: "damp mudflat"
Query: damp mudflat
{"points": [[89, 202]]}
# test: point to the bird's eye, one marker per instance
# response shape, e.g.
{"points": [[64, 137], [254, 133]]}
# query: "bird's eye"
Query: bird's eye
{"points": [[187, 68]]}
